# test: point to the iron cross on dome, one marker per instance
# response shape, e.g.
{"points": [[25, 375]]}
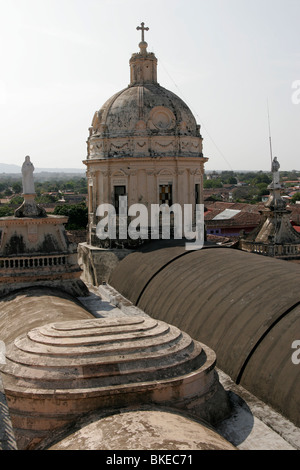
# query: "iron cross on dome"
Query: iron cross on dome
{"points": [[143, 29]]}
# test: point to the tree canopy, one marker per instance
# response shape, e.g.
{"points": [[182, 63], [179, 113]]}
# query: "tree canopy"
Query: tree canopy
{"points": [[77, 213]]}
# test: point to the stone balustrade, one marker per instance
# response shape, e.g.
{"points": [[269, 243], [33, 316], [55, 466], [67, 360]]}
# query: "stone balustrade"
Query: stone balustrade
{"points": [[271, 250], [32, 262]]}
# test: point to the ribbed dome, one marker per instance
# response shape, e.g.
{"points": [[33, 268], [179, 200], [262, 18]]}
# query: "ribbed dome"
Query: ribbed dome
{"points": [[144, 119], [148, 107]]}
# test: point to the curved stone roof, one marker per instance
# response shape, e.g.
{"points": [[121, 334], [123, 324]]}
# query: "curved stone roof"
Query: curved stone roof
{"points": [[244, 306], [29, 308], [161, 110], [64, 369], [145, 429]]}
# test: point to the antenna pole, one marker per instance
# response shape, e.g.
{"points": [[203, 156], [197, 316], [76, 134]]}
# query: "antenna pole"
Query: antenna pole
{"points": [[270, 138]]}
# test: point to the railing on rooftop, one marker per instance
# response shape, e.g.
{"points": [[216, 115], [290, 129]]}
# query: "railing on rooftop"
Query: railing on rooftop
{"points": [[271, 250], [32, 262]]}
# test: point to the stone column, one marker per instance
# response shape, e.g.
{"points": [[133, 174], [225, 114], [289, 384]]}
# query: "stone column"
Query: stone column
{"points": [[201, 182], [132, 187]]}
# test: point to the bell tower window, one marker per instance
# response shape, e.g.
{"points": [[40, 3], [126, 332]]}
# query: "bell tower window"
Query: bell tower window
{"points": [[118, 191], [165, 194]]}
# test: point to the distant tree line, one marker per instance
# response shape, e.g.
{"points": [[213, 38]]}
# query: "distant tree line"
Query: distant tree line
{"points": [[254, 184], [10, 185], [248, 186]]}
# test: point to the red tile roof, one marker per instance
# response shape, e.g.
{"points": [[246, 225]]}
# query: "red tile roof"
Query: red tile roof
{"points": [[235, 206], [242, 219]]}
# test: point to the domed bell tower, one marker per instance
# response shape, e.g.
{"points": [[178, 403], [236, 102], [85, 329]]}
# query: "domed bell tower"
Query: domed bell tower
{"points": [[144, 144]]}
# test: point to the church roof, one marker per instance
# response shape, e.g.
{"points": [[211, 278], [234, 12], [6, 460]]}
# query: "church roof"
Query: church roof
{"points": [[25, 309], [244, 306]]}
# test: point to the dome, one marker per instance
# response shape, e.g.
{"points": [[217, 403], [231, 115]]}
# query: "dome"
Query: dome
{"points": [[150, 108], [144, 119], [145, 145], [64, 369], [144, 429]]}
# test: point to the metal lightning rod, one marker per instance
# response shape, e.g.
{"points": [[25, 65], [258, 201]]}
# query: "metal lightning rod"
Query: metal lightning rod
{"points": [[270, 138]]}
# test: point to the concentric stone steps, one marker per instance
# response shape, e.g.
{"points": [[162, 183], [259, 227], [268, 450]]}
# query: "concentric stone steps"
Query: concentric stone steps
{"points": [[49, 357], [58, 371]]}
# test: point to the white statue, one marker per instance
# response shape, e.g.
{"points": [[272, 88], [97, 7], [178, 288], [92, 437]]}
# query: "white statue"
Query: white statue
{"points": [[275, 165], [275, 171], [27, 177]]}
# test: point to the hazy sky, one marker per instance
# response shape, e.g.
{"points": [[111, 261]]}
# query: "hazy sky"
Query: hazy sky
{"points": [[60, 60]]}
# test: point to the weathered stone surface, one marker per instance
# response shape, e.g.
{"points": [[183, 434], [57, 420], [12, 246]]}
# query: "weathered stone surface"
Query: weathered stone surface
{"points": [[24, 310], [97, 264], [245, 307], [56, 372], [37, 252], [30, 208], [145, 429], [7, 437]]}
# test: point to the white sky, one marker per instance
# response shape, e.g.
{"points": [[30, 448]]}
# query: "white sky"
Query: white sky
{"points": [[60, 60]]}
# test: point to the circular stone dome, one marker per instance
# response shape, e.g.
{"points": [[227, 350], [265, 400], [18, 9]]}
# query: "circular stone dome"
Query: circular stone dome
{"points": [[148, 107], [144, 119], [145, 429]]}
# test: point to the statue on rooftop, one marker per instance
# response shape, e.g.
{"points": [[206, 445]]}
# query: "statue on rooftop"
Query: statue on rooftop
{"points": [[27, 176], [29, 208], [275, 165], [276, 176]]}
